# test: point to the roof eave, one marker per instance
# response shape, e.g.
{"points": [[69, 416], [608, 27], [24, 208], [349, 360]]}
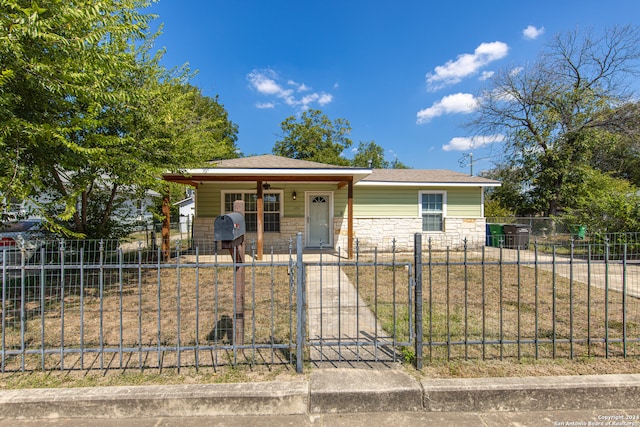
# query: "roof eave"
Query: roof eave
{"points": [[431, 184], [269, 173]]}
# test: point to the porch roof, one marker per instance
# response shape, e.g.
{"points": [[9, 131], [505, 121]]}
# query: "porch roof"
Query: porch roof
{"points": [[269, 168]]}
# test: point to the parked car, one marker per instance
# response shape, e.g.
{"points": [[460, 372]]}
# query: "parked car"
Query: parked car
{"points": [[15, 236]]}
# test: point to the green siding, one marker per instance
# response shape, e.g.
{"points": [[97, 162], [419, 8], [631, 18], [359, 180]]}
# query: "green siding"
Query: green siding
{"points": [[369, 202], [464, 202], [295, 208], [380, 202], [208, 201], [209, 197]]}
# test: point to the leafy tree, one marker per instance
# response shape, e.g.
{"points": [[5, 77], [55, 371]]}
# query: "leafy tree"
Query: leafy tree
{"points": [[605, 204], [620, 157], [89, 117], [369, 155], [314, 137], [397, 164], [60, 64], [493, 209], [555, 113], [510, 196]]}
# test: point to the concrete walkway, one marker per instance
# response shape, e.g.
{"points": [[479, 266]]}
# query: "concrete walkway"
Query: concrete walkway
{"points": [[341, 327]]}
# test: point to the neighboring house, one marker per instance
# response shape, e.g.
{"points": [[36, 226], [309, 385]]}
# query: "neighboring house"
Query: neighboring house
{"points": [[334, 205], [131, 209], [187, 208], [138, 209]]}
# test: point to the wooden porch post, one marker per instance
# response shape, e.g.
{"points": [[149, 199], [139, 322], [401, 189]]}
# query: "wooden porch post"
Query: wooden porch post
{"points": [[166, 224], [260, 221], [350, 220]]}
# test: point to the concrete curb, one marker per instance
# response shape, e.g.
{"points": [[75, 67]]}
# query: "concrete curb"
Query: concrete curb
{"points": [[269, 398], [328, 391], [533, 393]]}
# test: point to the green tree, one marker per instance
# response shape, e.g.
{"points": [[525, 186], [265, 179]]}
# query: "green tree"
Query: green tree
{"points": [[556, 111], [174, 127], [511, 195], [60, 64], [89, 118], [620, 158], [369, 155], [314, 137], [397, 164], [605, 204]]}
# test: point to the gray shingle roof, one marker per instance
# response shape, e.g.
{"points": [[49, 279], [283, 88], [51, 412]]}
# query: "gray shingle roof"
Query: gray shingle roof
{"points": [[269, 161], [425, 176], [365, 175]]}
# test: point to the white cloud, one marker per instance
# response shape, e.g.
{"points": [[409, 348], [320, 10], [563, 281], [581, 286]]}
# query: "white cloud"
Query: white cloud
{"points": [[465, 144], [515, 71], [266, 82], [450, 104], [300, 87], [486, 75], [466, 64], [325, 98], [263, 82], [532, 33]]}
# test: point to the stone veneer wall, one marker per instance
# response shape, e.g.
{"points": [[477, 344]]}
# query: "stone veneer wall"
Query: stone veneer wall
{"points": [[370, 232], [203, 231], [381, 232]]}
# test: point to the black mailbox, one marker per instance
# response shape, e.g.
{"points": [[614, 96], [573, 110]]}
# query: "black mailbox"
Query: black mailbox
{"points": [[228, 227]]}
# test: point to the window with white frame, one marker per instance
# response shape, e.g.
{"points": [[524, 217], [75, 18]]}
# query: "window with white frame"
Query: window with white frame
{"points": [[433, 210], [272, 202]]}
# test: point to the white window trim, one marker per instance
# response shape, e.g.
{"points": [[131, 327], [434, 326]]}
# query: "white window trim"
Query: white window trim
{"points": [[444, 207], [280, 192]]}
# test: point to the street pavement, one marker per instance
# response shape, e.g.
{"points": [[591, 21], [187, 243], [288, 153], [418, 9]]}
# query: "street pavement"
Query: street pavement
{"points": [[609, 417]]}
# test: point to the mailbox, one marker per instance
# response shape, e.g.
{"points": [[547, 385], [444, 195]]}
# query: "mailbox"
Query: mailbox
{"points": [[228, 227]]}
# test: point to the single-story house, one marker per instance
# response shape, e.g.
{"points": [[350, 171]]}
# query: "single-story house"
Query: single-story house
{"points": [[334, 205]]}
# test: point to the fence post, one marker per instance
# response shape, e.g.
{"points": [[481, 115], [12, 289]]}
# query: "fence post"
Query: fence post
{"points": [[300, 329], [418, 298]]}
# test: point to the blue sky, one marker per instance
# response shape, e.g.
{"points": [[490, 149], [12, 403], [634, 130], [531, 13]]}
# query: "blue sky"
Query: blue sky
{"points": [[404, 73]]}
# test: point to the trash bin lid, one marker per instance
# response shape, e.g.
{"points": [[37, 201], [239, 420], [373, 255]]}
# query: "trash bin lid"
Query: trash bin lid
{"points": [[517, 228]]}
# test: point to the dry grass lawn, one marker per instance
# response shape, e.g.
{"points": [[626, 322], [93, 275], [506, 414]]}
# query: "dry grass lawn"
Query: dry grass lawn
{"points": [[480, 311]]}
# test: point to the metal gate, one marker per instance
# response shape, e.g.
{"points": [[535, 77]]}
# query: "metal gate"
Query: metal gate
{"points": [[359, 310]]}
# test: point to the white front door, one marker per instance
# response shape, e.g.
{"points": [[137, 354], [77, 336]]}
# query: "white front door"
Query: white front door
{"points": [[319, 219]]}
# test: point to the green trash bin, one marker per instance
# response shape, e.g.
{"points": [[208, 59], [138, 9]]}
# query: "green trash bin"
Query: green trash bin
{"points": [[495, 235], [578, 231]]}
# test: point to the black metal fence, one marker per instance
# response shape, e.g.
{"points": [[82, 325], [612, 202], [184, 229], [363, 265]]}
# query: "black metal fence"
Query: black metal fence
{"points": [[537, 301], [91, 305], [104, 305]]}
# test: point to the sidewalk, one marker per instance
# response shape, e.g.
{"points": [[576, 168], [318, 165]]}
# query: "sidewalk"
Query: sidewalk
{"points": [[331, 391], [596, 273]]}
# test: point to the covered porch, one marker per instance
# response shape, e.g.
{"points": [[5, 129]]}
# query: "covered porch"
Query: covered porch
{"points": [[263, 173]]}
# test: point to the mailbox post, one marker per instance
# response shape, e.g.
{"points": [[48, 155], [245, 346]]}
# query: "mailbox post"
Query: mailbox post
{"points": [[229, 229]]}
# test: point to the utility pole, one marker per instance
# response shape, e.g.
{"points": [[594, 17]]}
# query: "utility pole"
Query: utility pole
{"points": [[467, 160]]}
